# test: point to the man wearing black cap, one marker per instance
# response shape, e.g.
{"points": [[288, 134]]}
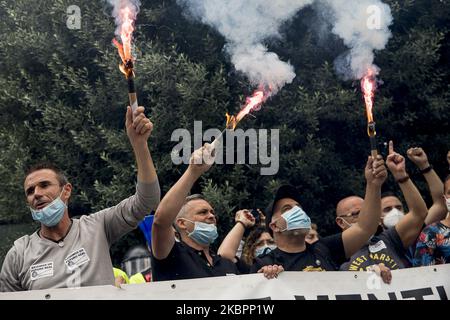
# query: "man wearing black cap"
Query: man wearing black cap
{"points": [[289, 225]]}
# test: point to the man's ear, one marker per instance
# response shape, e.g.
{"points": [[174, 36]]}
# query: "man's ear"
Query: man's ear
{"points": [[67, 191], [181, 224], [340, 223], [273, 226]]}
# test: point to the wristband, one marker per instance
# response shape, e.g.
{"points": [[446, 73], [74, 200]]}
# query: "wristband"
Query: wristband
{"points": [[241, 223], [402, 180], [427, 169]]}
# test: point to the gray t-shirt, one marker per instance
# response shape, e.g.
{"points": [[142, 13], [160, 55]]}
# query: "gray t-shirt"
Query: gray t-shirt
{"points": [[82, 258]]}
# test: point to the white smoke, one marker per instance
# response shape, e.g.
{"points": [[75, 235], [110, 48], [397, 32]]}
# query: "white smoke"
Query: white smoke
{"points": [[118, 7], [363, 25], [245, 24]]}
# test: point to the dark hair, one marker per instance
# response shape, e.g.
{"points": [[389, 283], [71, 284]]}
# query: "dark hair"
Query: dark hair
{"points": [[62, 179], [446, 179], [388, 194], [248, 251]]}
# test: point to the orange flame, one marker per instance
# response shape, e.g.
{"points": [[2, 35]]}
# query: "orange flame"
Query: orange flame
{"points": [[253, 103], [124, 48], [368, 88]]}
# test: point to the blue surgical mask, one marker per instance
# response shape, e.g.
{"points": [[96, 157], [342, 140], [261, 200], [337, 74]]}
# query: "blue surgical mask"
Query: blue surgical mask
{"points": [[203, 233], [296, 218], [51, 214], [264, 250]]}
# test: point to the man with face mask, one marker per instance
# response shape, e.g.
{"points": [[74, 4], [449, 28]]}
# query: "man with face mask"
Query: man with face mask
{"points": [[389, 247], [392, 210], [290, 224], [67, 252], [433, 246], [195, 221]]}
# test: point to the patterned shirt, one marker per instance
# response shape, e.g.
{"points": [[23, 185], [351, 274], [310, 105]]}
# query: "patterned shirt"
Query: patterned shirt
{"points": [[433, 246]]}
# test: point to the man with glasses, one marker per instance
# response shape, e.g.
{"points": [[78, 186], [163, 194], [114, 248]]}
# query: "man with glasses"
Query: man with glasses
{"points": [[347, 211]]}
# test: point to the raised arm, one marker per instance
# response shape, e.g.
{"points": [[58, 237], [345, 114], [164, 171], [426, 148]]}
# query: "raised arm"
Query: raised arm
{"points": [[125, 216], [355, 237], [230, 245], [409, 227], [163, 237], [138, 131], [438, 210]]}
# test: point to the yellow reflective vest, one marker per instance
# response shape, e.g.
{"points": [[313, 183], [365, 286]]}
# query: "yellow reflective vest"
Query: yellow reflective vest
{"points": [[118, 272], [137, 278]]}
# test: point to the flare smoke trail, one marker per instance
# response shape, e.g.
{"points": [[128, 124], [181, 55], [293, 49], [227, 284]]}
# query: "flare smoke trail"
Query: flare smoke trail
{"points": [[363, 25], [245, 24], [118, 8]]}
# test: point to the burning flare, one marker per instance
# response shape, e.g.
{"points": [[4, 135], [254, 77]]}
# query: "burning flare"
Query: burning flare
{"points": [[125, 12], [253, 103], [126, 66], [368, 86]]}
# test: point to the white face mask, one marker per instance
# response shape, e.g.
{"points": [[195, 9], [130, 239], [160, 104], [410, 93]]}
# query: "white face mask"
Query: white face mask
{"points": [[347, 223], [392, 218]]}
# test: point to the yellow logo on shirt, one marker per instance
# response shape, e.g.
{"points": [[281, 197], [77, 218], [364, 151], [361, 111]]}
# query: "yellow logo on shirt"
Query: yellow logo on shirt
{"points": [[312, 268]]}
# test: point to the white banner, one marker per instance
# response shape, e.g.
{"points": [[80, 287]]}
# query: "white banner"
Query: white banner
{"points": [[425, 283]]}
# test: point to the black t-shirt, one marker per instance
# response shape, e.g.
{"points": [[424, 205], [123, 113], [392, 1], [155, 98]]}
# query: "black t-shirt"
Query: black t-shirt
{"points": [[387, 248], [324, 255], [184, 262]]}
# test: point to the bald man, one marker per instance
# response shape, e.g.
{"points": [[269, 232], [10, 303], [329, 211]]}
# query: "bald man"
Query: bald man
{"points": [[347, 211]]}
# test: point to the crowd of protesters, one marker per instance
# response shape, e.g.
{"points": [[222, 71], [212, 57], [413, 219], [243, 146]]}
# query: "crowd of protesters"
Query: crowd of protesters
{"points": [[377, 232]]}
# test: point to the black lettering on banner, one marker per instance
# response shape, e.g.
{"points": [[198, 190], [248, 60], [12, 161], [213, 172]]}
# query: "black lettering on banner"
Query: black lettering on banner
{"points": [[348, 297], [442, 293], [417, 294], [318, 297], [371, 296], [392, 296]]}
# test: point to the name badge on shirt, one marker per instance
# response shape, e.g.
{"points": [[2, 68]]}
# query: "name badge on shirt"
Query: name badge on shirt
{"points": [[76, 259], [380, 245], [41, 270]]}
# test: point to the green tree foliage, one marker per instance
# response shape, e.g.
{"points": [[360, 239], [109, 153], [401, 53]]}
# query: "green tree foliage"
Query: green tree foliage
{"points": [[63, 100]]}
